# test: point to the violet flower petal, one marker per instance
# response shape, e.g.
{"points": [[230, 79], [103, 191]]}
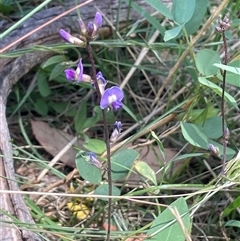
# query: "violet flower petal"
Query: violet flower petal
{"points": [[118, 125], [82, 26], [66, 36], [90, 29], [97, 22], [79, 71], [70, 74], [112, 97], [100, 77], [116, 131], [117, 105], [115, 90]]}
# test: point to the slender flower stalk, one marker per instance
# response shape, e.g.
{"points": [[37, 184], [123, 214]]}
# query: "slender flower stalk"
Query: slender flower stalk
{"points": [[224, 25], [106, 137], [109, 98]]}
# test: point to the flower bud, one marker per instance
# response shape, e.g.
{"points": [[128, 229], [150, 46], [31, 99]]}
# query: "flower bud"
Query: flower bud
{"points": [[223, 25], [214, 150], [226, 134], [94, 161], [82, 26], [116, 132], [90, 29]]}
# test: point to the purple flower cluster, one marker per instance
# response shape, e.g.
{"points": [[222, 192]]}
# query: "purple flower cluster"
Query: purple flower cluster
{"points": [[90, 32], [110, 97]]}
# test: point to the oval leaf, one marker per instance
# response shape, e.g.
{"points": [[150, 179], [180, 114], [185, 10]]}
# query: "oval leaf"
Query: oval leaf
{"points": [[87, 171], [166, 227], [80, 117], [172, 33], [200, 9], [194, 136], [53, 60], [145, 170], [122, 163], [205, 59], [183, 10], [41, 107], [95, 145], [43, 86], [207, 125], [104, 191]]}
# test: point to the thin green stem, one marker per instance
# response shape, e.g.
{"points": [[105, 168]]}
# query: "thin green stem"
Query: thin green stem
{"points": [[106, 137]]}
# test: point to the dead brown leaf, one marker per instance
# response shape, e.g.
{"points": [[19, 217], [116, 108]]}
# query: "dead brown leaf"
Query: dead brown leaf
{"points": [[53, 141]]}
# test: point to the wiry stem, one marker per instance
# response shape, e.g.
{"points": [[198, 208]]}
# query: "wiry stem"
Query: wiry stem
{"points": [[106, 137], [223, 102]]}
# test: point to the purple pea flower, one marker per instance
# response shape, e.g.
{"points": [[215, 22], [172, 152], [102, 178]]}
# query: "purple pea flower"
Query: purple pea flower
{"points": [[97, 22], [69, 38], [77, 74], [93, 27], [112, 97], [101, 82], [116, 131], [94, 161]]}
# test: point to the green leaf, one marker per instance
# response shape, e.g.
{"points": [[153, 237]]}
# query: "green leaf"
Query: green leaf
{"points": [[53, 60], [232, 78], [60, 107], [80, 117], [160, 145], [130, 113], [56, 71], [41, 107], [231, 207], [206, 127], [172, 33], [205, 59], [122, 163], [91, 121], [95, 145], [133, 28], [231, 69], [43, 86], [232, 223], [194, 136], [208, 112], [233, 72], [182, 10], [218, 90], [200, 9], [146, 171], [88, 171], [189, 155], [166, 227], [6, 9], [160, 7], [103, 190]]}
